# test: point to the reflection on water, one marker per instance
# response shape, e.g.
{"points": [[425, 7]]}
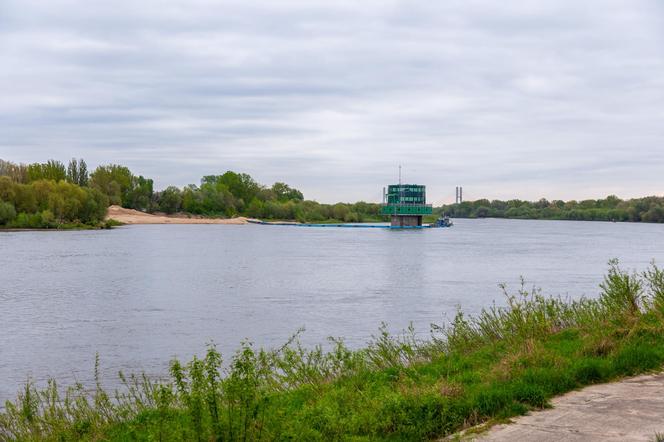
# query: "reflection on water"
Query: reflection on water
{"points": [[142, 294]]}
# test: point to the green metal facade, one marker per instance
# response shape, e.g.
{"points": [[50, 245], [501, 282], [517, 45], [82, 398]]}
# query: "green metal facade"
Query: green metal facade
{"points": [[393, 209], [406, 199]]}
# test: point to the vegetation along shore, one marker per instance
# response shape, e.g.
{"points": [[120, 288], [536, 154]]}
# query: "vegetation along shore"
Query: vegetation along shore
{"points": [[52, 195], [649, 209], [474, 370]]}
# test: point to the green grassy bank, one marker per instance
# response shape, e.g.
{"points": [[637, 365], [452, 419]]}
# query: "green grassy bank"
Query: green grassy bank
{"points": [[484, 368]]}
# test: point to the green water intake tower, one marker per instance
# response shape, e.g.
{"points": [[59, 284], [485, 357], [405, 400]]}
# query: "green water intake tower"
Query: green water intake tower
{"points": [[405, 204]]}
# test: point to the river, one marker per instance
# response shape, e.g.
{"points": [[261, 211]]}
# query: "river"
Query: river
{"points": [[140, 295]]}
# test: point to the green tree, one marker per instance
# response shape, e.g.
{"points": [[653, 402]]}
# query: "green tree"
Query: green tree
{"points": [[170, 200], [141, 194], [82, 173], [241, 186], [7, 192], [482, 212], [114, 181], [283, 192], [72, 171], [7, 213], [256, 208], [25, 198], [654, 215], [340, 211], [77, 172], [17, 172], [94, 207], [50, 170]]}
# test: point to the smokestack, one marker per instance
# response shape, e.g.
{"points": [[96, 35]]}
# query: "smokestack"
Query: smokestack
{"points": [[460, 194], [456, 195]]}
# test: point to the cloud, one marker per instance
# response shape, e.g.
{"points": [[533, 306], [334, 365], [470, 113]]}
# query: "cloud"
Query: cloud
{"points": [[559, 99]]}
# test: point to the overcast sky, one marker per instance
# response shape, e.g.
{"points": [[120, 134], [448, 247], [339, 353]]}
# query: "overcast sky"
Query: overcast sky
{"points": [[558, 99]]}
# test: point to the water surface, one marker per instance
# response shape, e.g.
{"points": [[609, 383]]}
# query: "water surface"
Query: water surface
{"points": [[140, 295]]}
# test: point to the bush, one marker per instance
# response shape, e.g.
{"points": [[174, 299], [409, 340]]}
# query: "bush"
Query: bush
{"points": [[7, 213], [655, 281], [46, 203], [623, 293]]}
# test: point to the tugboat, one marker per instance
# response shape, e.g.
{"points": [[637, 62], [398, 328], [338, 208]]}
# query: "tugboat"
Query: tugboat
{"points": [[443, 221]]}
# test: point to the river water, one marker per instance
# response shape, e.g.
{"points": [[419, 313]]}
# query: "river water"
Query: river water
{"points": [[140, 295]]}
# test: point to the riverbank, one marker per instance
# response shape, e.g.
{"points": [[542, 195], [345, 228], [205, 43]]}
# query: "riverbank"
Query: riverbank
{"points": [[131, 216], [480, 369], [55, 227], [117, 216]]}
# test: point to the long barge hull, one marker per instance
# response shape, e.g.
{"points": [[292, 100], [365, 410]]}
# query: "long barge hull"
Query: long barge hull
{"points": [[349, 226]]}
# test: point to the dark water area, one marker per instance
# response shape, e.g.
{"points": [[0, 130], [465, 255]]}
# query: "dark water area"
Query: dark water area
{"points": [[141, 295]]}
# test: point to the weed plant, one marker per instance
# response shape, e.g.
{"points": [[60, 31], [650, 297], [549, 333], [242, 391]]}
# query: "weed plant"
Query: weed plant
{"points": [[477, 369]]}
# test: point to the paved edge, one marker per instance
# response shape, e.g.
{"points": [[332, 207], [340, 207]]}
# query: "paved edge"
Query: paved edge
{"points": [[627, 410]]}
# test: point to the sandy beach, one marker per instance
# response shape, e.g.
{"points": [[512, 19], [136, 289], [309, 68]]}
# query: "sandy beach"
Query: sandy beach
{"points": [[130, 216]]}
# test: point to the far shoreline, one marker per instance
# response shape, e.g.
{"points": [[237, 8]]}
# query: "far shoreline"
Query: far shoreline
{"points": [[118, 216]]}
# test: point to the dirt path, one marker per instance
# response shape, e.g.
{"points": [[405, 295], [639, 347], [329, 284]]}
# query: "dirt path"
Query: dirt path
{"points": [[130, 216], [630, 410]]}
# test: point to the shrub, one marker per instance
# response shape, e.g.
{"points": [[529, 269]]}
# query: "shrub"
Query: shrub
{"points": [[655, 281], [622, 292], [7, 213]]}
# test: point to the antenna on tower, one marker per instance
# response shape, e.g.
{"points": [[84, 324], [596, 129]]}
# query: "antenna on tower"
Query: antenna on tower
{"points": [[400, 190]]}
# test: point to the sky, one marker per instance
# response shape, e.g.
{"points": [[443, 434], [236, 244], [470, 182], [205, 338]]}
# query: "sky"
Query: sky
{"points": [[525, 99]]}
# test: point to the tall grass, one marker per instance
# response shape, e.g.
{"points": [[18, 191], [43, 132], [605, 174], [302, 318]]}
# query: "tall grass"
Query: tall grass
{"points": [[475, 369]]}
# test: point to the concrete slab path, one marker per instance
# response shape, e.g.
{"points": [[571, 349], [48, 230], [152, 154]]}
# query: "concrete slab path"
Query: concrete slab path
{"points": [[629, 410]]}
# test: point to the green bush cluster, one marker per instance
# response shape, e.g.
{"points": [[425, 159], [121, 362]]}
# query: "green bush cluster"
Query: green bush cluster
{"points": [[114, 181], [475, 370], [48, 204], [612, 208]]}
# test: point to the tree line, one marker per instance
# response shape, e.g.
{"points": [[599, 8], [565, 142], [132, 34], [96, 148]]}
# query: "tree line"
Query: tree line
{"points": [[233, 194], [648, 209], [53, 194]]}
